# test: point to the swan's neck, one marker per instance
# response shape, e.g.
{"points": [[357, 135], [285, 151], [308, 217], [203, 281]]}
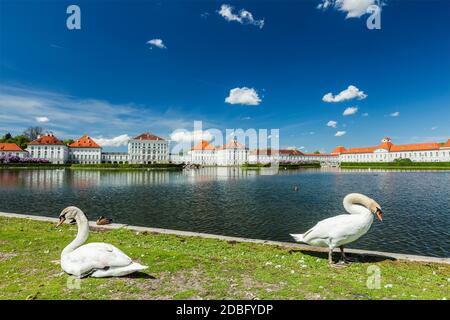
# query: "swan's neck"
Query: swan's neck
{"points": [[357, 204], [82, 235]]}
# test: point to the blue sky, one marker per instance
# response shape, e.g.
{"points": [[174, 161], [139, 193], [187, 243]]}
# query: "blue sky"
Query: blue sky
{"points": [[106, 80]]}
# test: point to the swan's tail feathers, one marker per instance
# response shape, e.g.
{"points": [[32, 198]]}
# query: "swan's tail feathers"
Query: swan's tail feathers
{"points": [[297, 237], [119, 271]]}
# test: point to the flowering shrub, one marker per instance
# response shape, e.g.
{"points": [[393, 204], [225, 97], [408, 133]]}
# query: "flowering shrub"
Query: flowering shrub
{"points": [[10, 158]]}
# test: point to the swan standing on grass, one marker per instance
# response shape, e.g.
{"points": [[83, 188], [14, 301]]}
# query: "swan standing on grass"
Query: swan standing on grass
{"points": [[343, 229], [95, 259]]}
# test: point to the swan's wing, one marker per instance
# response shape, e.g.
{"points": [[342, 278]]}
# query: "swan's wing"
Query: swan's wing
{"points": [[335, 227], [97, 255]]}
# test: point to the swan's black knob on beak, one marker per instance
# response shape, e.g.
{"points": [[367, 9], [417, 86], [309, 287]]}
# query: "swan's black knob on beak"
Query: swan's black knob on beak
{"points": [[379, 214]]}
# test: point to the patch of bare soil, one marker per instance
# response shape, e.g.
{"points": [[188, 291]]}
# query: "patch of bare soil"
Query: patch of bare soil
{"points": [[168, 284], [5, 256]]}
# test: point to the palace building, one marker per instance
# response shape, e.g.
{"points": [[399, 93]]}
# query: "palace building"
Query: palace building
{"points": [[148, 148], [387, 151], [85, 151], [12, 149], [49, 147]]}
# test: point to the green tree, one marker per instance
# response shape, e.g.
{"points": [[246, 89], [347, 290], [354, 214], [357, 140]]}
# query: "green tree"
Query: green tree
{"points": [[317, 152], [68, 141]]}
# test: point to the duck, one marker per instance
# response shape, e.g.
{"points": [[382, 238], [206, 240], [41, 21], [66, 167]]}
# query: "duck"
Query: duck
{"points": [[96, 259], [103, 220], [338, 231]]}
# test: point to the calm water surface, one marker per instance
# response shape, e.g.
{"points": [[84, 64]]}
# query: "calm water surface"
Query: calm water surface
{"points": [[230, 201]]}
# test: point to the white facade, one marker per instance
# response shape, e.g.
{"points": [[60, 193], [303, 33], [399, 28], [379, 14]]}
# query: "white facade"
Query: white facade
{"points": [[148, 148], [114, 157], [85, 155], [232, 154], [288, 156], [50, 148]]}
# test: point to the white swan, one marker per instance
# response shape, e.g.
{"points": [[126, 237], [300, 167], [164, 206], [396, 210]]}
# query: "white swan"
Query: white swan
{"points": [[95, 259], [340, 230]]}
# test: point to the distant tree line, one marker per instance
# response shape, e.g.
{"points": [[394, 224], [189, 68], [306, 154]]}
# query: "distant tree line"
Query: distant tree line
{"points": [[30, 134]]}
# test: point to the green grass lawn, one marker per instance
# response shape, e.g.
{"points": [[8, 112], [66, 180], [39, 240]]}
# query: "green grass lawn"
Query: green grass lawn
{"points": [[198, 268]]}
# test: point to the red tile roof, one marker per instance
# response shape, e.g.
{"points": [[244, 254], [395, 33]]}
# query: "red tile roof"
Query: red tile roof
{"points": [[446, 144], [147, 136], [84, 142], [416, 147], [203, 145], [396, 148], [232, 145], [338, 149], [9, 147], [47, 139]]}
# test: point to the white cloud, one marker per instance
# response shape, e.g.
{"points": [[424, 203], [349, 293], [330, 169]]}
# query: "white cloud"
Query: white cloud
{"points": [[42, 119], [332, 123], [190, 136], [351, 92], [244, 95], [353, 8], [243, 16], [295, 148], [157, 43], [394, 114], [365, 114], [118, 141], [433, 128], [349, 111], [340, 133], [72, 116]]}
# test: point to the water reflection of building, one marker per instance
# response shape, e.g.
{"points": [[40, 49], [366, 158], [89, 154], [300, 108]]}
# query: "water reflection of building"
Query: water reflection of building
{"points": [[34, 179], [218, 173]]}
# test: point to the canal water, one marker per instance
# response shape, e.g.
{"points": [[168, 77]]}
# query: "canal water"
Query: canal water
{"points": [[245, 203]]}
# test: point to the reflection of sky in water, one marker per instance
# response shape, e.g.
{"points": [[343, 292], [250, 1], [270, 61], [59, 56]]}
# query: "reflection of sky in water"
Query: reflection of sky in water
{"points": [[246, 203]]}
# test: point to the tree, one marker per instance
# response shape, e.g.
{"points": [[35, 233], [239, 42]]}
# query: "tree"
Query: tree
{"points": [[21, 140], [68, 141], [33, 132], [7, 137], [317, 152]]}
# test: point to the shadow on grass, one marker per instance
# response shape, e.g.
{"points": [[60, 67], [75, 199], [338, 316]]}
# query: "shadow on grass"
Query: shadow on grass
{"points": [[140, 275], [358, 258]]}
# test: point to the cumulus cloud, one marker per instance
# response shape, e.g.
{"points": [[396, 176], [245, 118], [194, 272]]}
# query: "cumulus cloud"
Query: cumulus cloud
{"points": [[365, 114], [332, 123], [350, 93], [349, 111], [42, 119], [118, 141], [190, 136], [340, 133], [157, 43], [243, 16], [394, 114], [353, 8], [244, 95]]}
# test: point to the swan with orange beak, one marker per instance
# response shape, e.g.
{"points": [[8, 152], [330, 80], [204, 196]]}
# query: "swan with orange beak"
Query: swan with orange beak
{"points": [[345, 228]]}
